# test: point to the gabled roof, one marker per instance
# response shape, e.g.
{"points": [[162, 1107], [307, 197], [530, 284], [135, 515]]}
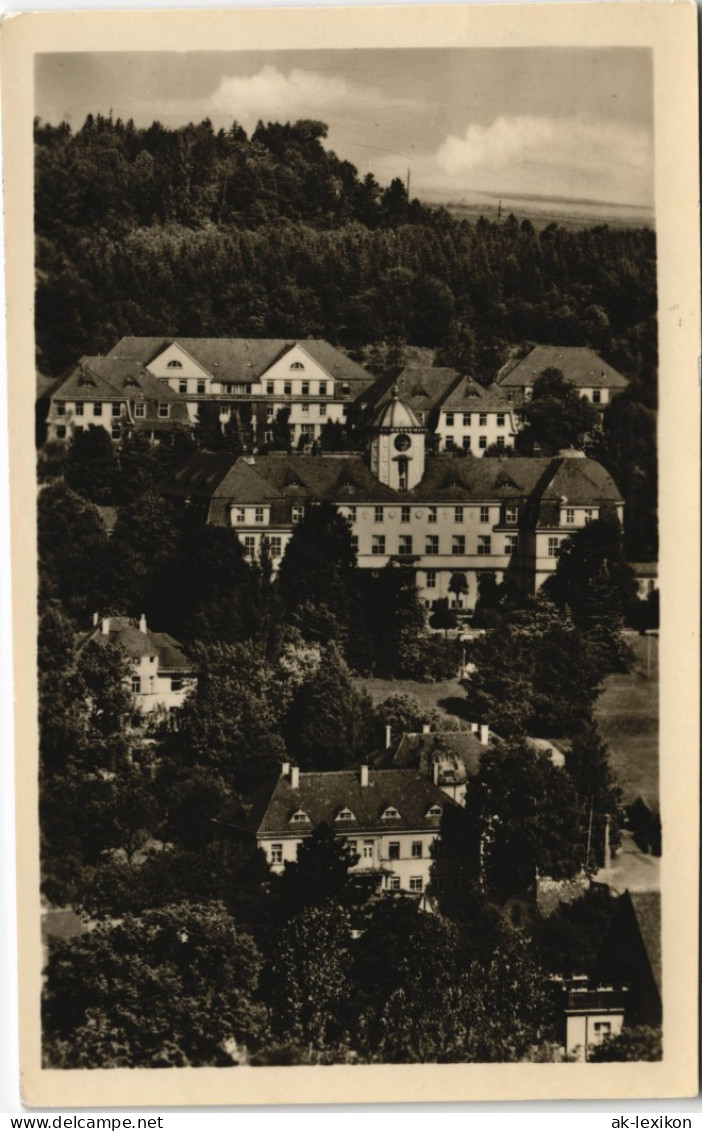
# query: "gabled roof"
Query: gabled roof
{"points": [[469, 396], [446, 478], [646, 906], [420, 751], [422, 387], [323, 795], [241, 359], [125, 634], [114, 379], [579, 365]]}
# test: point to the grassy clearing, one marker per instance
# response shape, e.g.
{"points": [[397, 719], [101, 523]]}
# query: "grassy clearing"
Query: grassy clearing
{"points": [[626, 712], [627, 716]]}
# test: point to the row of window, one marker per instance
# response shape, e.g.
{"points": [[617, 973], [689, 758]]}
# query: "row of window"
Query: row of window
{"points": [[432, 545], [275, 546], [511, 514], [590, 514], [116, 409], [148, 684], [466, 419]]}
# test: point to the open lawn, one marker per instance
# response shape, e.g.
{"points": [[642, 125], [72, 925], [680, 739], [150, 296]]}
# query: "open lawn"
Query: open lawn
{"points": [[627, 716], [626, 712]]}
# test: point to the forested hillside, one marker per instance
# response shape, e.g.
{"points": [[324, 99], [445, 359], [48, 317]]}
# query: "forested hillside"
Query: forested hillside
{"points": [[194, 232]]}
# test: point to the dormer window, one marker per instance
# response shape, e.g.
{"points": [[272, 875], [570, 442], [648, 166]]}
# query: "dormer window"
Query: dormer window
{"points": [[174, 365], [345, 815], [390, 814], [434, 811], [296, 365], [299, 818]]}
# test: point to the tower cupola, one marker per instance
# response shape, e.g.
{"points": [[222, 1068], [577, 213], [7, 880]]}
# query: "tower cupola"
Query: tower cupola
{"points": [[397, 443]]}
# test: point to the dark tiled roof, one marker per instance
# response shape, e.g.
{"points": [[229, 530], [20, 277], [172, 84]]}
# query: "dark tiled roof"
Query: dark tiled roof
{"points": [[422, 387], [115, 379], [420, 751], [323, 795], [247, 357], [126, 635], [646, 906], [469, 396], [579, 364], [348, 479]]}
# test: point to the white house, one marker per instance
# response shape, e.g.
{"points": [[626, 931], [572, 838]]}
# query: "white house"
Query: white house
{"points": [[591, 376]]}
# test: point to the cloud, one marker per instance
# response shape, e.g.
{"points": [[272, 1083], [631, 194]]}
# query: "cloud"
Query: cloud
{"points": [[564, 156], [272, 95]]}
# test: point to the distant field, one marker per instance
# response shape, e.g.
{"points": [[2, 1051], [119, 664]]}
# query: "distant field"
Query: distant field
{"points": [[626, 712], [627, 715]]}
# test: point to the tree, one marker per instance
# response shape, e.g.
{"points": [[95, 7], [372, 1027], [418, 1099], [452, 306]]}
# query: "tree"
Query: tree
{"points": [[320, 874], [640, 1042], [72, 542], [91, 465], [317, 575], [457, 349], [172, 987], [557, 418], [402, 712], [588, 766], [443, 616], [329, 724], [306, 978], [105, 674], [282, 431]]}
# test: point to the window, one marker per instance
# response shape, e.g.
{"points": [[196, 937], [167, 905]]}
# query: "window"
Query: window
{"points": [[79, 408], [432, 546], [484, 514], [378, 514], [458, 514], [432, 513], [603, 1027], [298, 512], [136, 685], [596, 396], [296, 365], [322, 410], [378, 544], [182, 386], [115, 432], [299, 818], [500, 420], [394, 883], [287, 388], [345, 410], [225, 410], [466, 420], [345, 389], [140, 410], [450, 444], [553, 546], [368, 850], [117, 409], [449, 419], [482, 443], [390, 814], [352, 514], [276, 854], [570, 516], [434, 811], [305, 409], [238, 514], [590, 515], [405, 514], [417, 848], [97, 408], [270, 388], [250, 546], [258, 514], [322, 388], [466, 443], [174, 365], [176, 683], [268, 435], [164, 410], [500, 441], [405, 546], [402, 475], [394, 850], [431, 579], [276, 546], [482, 419], [484, 544], [346, 815], [511, 515], [458, 544], [354, 543], [511, 543], [61, 432], [305, 388], [352, 845], [61, 408], [416, 883]]}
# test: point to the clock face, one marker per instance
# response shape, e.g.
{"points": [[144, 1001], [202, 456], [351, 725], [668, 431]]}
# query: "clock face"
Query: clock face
{"points": [[402, 442]]}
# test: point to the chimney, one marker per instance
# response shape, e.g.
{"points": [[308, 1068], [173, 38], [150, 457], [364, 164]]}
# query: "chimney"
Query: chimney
{"points": [[388, 737], [96, 619], [142, 623], [435, 770], [426, 728], [295, 777], [364, 775], [285, 769], [473, 728], [105, 629], [484, 732]]}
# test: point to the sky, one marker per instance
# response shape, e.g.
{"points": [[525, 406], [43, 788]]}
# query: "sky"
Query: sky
{"points": [[574, 123]]}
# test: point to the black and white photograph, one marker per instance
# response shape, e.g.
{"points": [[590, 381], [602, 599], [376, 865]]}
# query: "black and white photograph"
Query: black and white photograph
{"points": [[349, 659]]}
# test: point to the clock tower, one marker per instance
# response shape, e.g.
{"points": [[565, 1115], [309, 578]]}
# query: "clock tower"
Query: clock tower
{"points": [[396, 447]]}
